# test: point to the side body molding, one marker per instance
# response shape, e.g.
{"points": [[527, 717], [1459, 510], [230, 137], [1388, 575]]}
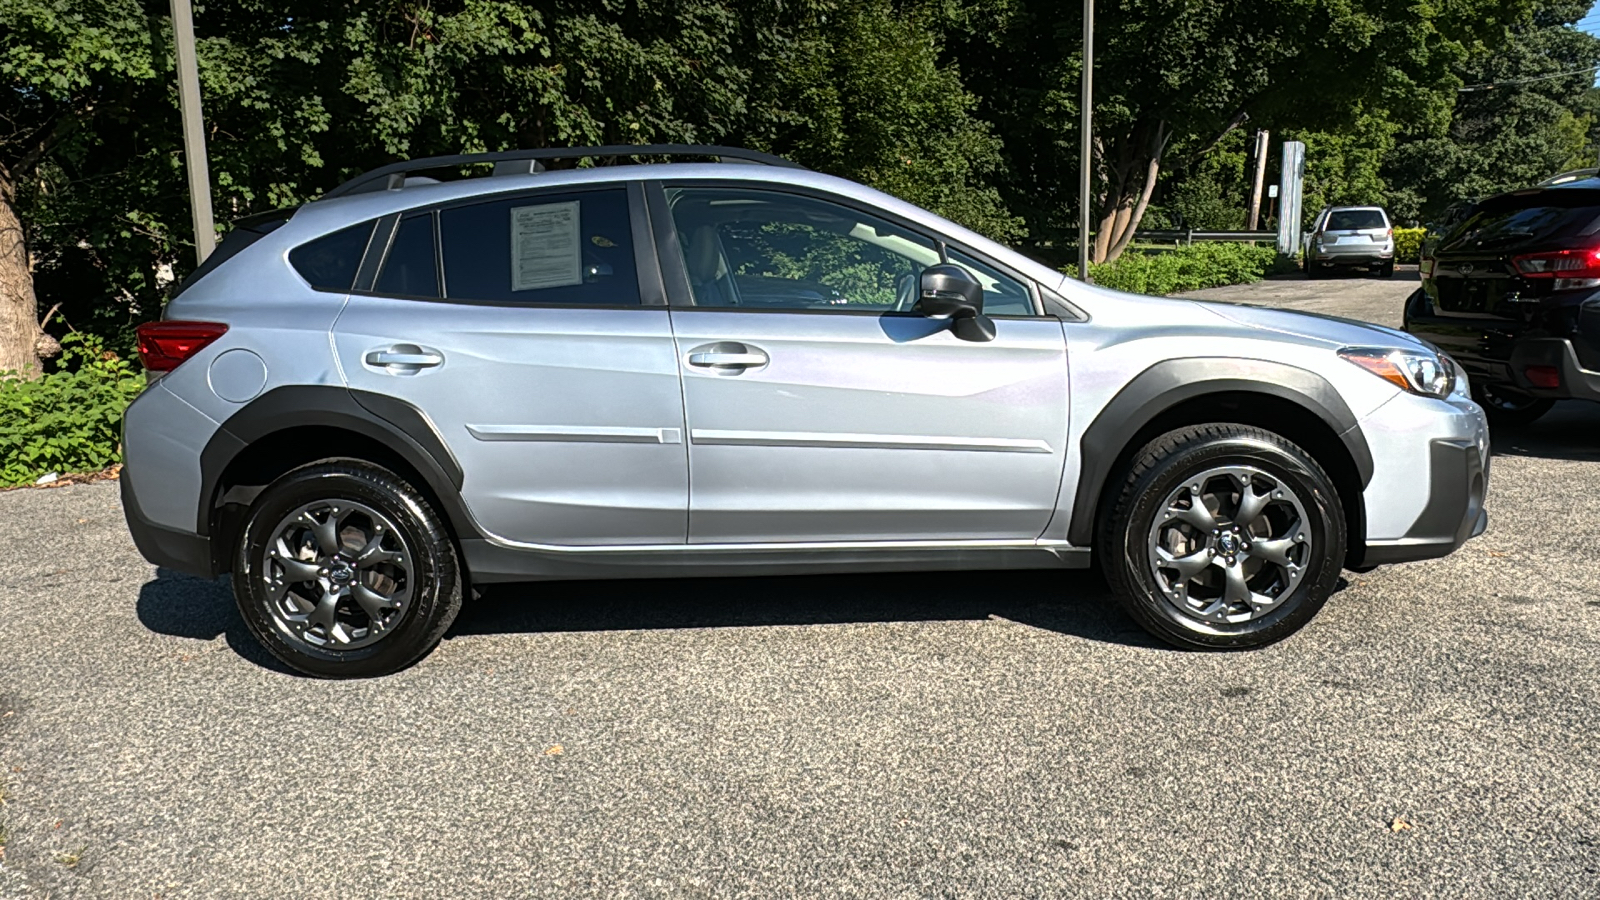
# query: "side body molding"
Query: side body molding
{"points": [[394, 423], [1167, 384]]}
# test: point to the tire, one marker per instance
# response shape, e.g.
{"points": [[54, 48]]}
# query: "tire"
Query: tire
{"points": [[1313, 270], [1270, 599], [370, 595], [1508, 407], [1386, 270]]}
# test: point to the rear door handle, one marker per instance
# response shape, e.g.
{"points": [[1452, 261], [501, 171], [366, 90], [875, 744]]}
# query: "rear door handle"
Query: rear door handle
{"points": [[404, 358], [728, 357]]}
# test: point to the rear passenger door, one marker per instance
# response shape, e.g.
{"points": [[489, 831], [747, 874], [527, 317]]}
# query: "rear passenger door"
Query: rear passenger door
{"points": [[532, 332]]}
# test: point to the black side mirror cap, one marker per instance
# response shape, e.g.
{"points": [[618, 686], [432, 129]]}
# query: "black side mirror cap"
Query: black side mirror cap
{"points": [[947, 291]]}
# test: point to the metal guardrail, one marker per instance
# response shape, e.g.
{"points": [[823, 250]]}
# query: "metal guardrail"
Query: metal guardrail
{"points": [[1190, 236]]}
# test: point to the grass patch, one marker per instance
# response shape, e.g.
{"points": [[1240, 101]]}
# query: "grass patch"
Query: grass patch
{"points": [[70, 858]]}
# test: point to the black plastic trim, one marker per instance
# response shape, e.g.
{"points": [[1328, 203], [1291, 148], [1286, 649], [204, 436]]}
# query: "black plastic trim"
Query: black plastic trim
{"points": [[1174, 381], [162, 546], [1454, 513], [382, 178], [393, 422]]}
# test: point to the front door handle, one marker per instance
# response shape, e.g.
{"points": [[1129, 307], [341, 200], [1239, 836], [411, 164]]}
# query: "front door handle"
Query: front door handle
{"points": [[404, 359], [728, 357]]}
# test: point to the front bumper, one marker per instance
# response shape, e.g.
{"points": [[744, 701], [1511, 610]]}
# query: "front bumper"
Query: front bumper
{"points": [[1458, 485]]}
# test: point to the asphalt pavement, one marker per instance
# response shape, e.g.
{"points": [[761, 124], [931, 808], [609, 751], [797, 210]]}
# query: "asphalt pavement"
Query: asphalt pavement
{"points": [[1432, 733]]}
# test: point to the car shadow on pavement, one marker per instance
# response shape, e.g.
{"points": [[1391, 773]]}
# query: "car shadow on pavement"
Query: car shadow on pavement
{"points": [[1076, 603], [1567, 432], [202, 609]]}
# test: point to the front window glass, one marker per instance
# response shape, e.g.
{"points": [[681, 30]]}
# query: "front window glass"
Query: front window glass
{"points": [[771, 250], [1002, 294]]}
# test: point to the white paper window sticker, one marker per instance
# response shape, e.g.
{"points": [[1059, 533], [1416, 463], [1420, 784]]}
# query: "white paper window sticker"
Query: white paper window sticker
{"points": [[545, 250]]}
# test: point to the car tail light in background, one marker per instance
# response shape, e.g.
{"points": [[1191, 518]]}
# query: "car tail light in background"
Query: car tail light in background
{"points": [[1571, 269], [1543, 376], [163, 346]]}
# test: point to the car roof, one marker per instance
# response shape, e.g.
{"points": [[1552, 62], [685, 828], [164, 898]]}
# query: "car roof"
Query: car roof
{"points": [[332, 213]]}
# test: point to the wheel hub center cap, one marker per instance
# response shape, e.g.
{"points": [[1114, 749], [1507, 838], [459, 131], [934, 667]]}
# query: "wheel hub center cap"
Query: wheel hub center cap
{"points": [[341, 573], [1228, 543]]}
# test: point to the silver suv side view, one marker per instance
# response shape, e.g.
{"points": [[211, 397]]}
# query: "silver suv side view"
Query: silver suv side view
{"points": [[1350, 237], [368, 406]]}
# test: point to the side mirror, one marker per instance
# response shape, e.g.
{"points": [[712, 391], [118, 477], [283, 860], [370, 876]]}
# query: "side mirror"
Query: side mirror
{"points": [[950, 292]]}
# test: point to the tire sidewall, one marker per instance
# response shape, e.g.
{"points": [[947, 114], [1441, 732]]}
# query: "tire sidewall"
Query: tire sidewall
{"points": [[1326, 528], [435, 575]]}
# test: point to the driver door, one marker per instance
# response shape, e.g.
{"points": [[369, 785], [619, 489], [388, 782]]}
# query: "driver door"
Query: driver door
{"points": [[820, 408]]}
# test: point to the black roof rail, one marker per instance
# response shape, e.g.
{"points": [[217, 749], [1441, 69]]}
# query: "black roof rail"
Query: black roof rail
{"points": [[393, 175]]}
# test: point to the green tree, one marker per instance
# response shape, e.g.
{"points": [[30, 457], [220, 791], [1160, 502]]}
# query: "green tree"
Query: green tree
{"points": [[1523, 114], [1174, 76]]}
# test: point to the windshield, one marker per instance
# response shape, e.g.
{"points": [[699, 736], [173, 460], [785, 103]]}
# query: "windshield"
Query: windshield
{"points": [[1355, 220]]}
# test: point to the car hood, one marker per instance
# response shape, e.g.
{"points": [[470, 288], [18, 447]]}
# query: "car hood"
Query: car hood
{"points": [[1315, 326]]}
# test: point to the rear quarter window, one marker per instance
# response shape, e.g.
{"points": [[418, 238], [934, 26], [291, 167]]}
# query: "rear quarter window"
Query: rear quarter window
{"points": [[330, 262]]}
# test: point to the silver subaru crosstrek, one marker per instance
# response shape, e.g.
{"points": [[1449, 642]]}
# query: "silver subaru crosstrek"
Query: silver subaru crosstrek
{"points": [[368, 406]]}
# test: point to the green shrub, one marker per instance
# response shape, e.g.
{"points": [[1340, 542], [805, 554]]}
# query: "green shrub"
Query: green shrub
{"points": [[1188, 268], [68, 420], [1408, 244]]}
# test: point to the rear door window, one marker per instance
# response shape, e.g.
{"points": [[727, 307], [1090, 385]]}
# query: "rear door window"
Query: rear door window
{"points": [[410, 269], [568, 249]]}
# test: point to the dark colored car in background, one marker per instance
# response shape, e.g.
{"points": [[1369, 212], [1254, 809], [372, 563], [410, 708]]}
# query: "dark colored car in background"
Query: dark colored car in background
{"points": [[1513, 293]]}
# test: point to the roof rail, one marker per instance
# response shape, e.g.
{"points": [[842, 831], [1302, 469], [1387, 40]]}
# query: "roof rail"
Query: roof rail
{"points": [[394, 175]]}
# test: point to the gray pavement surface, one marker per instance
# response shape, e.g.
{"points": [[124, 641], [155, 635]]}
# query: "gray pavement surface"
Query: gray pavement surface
{"points": [[1433, 733]]}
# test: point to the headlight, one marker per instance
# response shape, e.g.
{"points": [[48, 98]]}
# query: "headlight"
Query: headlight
{"points": [[1418, 371]]}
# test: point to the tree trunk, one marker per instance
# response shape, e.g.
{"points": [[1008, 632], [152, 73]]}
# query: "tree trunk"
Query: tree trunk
{"points": [[1130, 198], [19, 327]]}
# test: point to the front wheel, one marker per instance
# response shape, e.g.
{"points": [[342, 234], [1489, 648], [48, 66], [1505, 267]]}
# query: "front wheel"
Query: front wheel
{"points": [[1223, 537], [344, 571], [1508, 407]]}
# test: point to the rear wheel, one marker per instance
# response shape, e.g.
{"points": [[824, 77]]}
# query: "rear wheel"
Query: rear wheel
{"points": [[1223, 537], [343, 570], [1386, 270], [1509, 407]]}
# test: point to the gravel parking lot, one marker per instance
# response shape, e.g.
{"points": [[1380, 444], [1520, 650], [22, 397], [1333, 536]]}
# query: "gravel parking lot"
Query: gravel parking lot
{"points": [[1433, 733]]}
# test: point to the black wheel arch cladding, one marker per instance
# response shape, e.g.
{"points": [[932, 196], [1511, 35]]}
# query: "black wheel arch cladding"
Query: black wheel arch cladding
{"points": [[399, 426], [1166, 385]]}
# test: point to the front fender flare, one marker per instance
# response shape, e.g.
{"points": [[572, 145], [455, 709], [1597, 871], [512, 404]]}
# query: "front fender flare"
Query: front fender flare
{"points": [[1172, 382]]}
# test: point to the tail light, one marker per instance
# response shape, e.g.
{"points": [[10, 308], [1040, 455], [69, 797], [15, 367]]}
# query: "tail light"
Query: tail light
{"points": [[1583, 263], [163, 346], [1543, 376]]}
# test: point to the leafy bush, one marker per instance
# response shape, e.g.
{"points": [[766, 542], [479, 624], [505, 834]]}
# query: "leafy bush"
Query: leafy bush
{"points": [[68, 420], [1408, 244], [1187, 268]]}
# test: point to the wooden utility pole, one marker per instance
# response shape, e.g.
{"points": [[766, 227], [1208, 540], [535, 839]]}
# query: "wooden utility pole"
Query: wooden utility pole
{"points": [[1085, 163], [1263, 139], [194, 136]]}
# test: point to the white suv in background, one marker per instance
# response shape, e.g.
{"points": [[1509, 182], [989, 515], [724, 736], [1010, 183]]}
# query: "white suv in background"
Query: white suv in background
{"points": [[1351, 237]]}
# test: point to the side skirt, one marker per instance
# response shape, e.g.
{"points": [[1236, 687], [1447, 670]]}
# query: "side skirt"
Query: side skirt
{"points": [[491, 562]]}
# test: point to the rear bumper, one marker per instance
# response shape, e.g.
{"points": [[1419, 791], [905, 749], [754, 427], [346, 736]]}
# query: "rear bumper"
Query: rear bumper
{"points": [[169, 548], [1458, 484], [1577, 382], [1334, 256]]}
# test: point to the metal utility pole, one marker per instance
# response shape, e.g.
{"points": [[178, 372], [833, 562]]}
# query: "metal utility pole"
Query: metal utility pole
{"points": [[1263, 139], [194, 136], [1290, 183], [1084, 160]]}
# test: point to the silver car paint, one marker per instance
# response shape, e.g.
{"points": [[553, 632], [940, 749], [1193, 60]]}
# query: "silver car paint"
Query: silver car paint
{"points": [[274, 313], [870, 428], [567, 423]]}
